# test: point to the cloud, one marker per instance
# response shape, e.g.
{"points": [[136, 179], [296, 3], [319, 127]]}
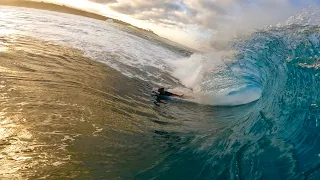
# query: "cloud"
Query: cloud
{"points": [[227, 18], [205, 13], [158, 11]]}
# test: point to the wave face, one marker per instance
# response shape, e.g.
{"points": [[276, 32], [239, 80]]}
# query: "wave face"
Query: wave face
{"points": [[255, 66], [277, 67], [283, 62], [104, 128]]}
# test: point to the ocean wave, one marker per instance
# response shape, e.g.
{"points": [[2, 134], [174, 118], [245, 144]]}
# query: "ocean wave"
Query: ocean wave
{"points": [[277, 137], [255, 66]]}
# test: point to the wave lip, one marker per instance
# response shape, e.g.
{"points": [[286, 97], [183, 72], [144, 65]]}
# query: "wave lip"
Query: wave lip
{"points": [[216, 78], [237, 97]]}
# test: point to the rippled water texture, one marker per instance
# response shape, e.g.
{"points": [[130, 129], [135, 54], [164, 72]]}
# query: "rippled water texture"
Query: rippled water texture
{"points": [[71, 112], [66, 116]]}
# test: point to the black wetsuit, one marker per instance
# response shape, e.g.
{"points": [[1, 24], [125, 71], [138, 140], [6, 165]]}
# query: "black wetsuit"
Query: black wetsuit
{"points": [[166, 93]]}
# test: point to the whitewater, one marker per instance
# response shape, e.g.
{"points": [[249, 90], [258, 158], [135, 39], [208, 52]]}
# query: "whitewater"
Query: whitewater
{"points": [[133, 56], [252, 108]]}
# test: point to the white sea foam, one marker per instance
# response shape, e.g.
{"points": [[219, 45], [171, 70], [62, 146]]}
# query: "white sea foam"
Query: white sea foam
{"points": [[105, 42], [212, 81]]}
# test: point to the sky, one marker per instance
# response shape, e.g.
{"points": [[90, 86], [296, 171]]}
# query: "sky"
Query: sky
{"points": [[195, 23]]}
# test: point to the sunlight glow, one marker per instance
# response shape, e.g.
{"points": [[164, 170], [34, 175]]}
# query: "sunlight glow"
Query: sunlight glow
{"points": [[173, 33]]}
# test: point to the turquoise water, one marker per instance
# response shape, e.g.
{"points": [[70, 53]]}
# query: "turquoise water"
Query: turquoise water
{"points": [[275, 137], [76, 103]]}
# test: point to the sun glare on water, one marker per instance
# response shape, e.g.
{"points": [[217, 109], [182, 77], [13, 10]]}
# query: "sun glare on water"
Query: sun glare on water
{"points": [[4, 30], [3, 48]]}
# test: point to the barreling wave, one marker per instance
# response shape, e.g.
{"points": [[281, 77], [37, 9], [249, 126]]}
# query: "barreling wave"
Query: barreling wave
{"points": [[278, 67], [259, 66], [58, 92]]}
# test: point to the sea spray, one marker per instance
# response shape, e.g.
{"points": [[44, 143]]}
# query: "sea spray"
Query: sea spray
{"points": [[212, 79]]}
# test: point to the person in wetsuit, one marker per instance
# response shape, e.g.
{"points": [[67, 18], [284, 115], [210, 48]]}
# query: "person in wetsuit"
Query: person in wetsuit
{"points": [[161, 91]]}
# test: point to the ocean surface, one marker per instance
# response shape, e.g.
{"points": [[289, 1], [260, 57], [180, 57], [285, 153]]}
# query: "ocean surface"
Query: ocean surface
{"points": [[75, 102]]}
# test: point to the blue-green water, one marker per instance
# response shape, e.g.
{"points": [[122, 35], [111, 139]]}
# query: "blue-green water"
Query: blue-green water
{"points": [[63, 115]]}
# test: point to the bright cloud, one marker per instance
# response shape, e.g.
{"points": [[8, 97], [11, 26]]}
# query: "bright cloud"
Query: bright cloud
{"points": [[223, 18], [205, 13]]}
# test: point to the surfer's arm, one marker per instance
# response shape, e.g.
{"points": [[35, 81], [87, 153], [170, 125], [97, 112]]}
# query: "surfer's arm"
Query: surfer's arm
{"points": [[179, 95]]}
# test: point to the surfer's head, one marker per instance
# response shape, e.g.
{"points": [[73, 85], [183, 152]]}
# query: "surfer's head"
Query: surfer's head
{"points": [[161, 90]]}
